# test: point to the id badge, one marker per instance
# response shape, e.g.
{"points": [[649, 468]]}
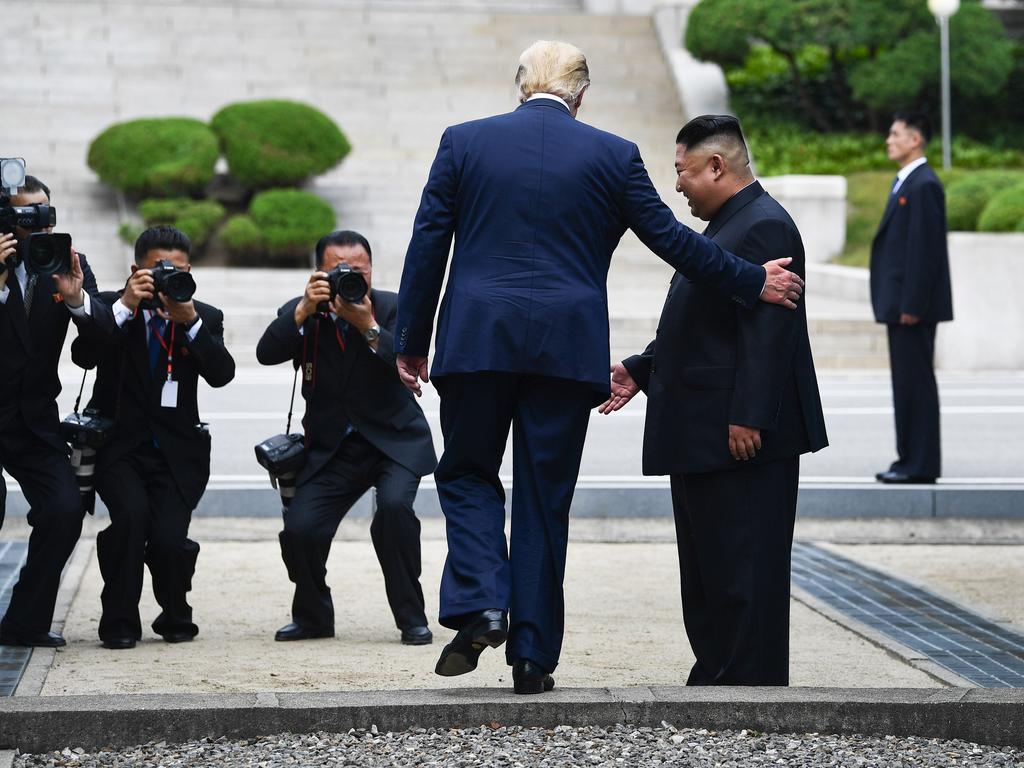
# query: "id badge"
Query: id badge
{"points": [[169, 395]]}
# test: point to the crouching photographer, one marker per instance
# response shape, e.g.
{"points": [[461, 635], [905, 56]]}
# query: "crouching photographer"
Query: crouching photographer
{"points": [[153, 471], [44, 285], [362, 428]]}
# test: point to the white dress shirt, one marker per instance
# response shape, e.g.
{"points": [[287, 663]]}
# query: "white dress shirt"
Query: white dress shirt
{"points": [[905, 171], [122, 315], [552, 97]]}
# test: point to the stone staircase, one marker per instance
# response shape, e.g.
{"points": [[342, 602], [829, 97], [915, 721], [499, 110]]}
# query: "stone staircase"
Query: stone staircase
{"points": [[392, 73]]}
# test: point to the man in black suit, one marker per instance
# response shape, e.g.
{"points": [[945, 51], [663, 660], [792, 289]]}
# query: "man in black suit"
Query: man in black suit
{"points": [[732, 403], [34, 315], [153, 472], [911, 294], [363, 430]]}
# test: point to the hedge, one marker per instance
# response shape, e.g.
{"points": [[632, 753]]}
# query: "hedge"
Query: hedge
{"points": [[196, 218], [967, 198], [290, 221], [156, 157], [241, 236], [1004, 212], [277, 143]]}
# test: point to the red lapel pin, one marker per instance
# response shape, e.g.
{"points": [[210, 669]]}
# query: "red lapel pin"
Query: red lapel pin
{"points": [[903, 201], [57, 298]]}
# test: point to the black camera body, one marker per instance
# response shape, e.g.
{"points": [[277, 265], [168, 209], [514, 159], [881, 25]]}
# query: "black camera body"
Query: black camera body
{"points": [[348, 283], [174, 282], [85, 432], [42, 253], [283, 456]]}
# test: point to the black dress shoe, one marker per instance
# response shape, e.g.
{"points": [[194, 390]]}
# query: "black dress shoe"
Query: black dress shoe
{"points": [[178, 637], [33, 640], [487, 629], [894, 477], [295, 631], [528, 677], [119, 643], [417, 636]]}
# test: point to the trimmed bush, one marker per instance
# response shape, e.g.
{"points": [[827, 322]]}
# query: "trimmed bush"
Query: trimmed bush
{"points": [[290, 221], [129, 232], [241, 236], [1004, 212], [277, 143], [157, 157], [967, 198], [196, 218]]}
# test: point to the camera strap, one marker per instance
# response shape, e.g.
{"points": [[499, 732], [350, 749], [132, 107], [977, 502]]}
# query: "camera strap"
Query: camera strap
{"points": [[291, 405], [81, 389]]}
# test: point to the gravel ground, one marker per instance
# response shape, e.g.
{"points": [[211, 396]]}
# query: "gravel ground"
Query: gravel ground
{"points": [[622, 745]]}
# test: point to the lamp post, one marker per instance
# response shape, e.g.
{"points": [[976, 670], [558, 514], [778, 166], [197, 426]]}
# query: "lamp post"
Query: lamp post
{"points": [[942, 10]]}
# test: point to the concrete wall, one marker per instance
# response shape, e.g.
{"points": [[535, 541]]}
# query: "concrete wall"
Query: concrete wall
{"points": [[987, 331], [818, 206]]}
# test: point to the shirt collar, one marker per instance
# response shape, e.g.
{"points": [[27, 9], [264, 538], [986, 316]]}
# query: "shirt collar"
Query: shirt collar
{"points": [[551, 96], [909, 168]]}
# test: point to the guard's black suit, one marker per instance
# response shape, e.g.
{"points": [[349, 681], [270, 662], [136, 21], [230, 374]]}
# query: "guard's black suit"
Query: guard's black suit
{"points": [[910, 275], [712, 365], [363, 429], [154, 471], [31, 448]]}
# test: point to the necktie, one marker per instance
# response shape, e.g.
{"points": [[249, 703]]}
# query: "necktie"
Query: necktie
{"points": [[156, 333], [30, 289]]}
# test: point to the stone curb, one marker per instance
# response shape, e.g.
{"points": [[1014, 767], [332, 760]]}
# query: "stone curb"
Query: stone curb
{"points": [[818, 500], [47, 723]]}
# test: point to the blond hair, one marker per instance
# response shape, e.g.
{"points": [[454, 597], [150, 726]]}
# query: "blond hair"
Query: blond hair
{"points": [[549, 66]]}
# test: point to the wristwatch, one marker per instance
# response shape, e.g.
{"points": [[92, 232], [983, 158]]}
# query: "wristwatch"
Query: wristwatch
{"points": [[372, 334]]}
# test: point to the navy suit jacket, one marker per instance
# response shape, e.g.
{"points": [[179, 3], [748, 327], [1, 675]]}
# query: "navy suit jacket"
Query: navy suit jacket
{"points": [[909, 258], [712, 364], [537, 202]]}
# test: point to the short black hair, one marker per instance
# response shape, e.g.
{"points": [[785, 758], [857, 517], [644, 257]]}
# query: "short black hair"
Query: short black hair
{"points": [[32, 184], [341, 237], [916, 120], [164, 238], [706, 127]]}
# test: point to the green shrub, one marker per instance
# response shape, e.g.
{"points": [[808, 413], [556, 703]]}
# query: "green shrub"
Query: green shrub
{"points": [[129, 232], [290, 221], [967, 198], [159, 157], [1004, 212], [1020, 226], [196, 218], [277, 143], [241, 236]]}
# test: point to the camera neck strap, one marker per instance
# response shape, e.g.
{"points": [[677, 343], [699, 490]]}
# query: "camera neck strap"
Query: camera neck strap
{"points": [[291, 404]]}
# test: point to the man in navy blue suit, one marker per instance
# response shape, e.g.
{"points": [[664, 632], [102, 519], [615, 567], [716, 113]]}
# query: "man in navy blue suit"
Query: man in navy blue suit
{"points": [[910, 293], [536, 202]]}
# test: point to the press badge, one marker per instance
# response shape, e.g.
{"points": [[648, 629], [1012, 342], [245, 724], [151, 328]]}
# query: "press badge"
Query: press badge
{"points": [[169, 395]]}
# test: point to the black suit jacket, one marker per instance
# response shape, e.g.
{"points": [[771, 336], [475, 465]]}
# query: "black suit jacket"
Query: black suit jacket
{"points": [[128, 391], [358, 387], [30, 349], [909, 258], [713, 364]]}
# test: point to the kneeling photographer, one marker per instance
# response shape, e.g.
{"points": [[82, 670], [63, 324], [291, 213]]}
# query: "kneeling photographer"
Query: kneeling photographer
{"points": [[363, 429], [153, 471], [44, 284]]}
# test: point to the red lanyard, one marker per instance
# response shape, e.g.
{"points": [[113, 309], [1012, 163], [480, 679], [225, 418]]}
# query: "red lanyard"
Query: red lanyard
{"points": [[168, 348]]}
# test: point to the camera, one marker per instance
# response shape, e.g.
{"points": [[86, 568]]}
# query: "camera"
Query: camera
{"points": [[348, 283], [85, 432], [42, 253], [173, 282], [283, 456]]}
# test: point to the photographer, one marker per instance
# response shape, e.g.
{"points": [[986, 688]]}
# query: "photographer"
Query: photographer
{"points": [[153, 472], [34, 314], [363, 429]]}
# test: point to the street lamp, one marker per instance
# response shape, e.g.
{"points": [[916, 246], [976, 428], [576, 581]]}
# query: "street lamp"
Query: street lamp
{"points": [[942, 10]]}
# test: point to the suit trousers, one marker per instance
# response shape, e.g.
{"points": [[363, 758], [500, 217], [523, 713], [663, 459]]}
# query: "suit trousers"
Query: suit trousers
{"points": [[734, 531], [915, 396], [55, 515], [316, 511], [549, 419], [149, 522]]}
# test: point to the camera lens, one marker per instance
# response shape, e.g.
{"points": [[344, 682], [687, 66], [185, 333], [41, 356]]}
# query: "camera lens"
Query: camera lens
{"points": [[179, 286], [48, 254]]}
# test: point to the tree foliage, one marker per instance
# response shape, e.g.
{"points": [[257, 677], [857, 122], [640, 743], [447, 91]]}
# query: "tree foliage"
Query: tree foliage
{"points": [[847, 64]]}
